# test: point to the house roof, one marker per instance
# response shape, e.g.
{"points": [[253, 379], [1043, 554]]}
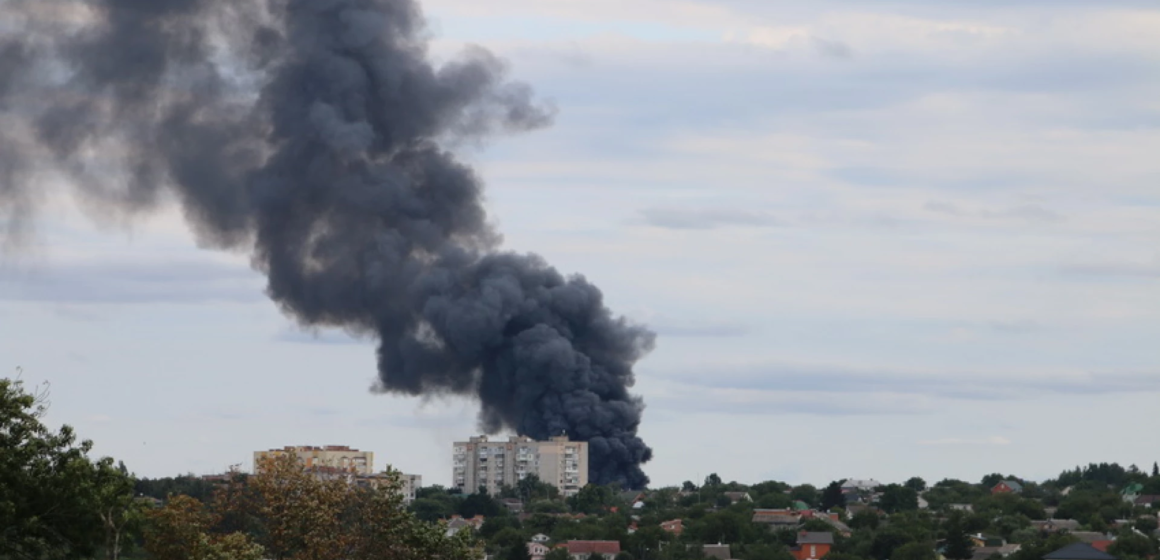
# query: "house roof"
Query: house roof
{"points": [[718, 551], [737, 496], [1078, 551], [1057, 524], [588, 547], [820, 537], [1012, 484], [1147, 499], [776, 516], [1088, 536]]}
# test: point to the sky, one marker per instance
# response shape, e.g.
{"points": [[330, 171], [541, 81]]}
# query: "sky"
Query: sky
{"points": [[877, 239]]}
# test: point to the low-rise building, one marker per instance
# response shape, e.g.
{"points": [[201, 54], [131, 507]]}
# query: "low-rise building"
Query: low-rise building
{"points": [[338, 459], [1007, 487], [674, 526], [537, 551], [583, 550], [812, 545], [1078, 551]]}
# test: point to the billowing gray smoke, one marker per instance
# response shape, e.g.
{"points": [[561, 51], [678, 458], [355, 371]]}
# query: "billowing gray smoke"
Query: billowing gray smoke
{"points": [[313, 133]]}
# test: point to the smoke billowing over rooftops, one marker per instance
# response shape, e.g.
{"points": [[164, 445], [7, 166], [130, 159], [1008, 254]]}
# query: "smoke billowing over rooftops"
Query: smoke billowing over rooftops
{"points": [[311, 133]]}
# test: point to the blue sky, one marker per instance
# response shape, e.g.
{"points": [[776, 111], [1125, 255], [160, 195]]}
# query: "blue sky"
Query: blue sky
{"points": [[877, 239]]}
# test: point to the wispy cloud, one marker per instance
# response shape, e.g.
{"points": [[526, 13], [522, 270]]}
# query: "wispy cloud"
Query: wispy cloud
{"points": [[685, 217], [132, 282], [1024, 212], [947, 384]]}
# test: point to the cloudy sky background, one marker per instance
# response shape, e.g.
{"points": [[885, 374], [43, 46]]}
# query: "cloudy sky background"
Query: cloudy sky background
{"points": [[877, 239]]}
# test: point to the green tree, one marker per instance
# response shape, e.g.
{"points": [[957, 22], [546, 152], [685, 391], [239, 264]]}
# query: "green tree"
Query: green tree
{"points": [[1129, 544], [958, 543], [558, 554], [806, 493], [54, 501], [832, 496], [1155, 468], [915, 483], [519, 551], [915, 551], [896, 498], [865, 519], [712, 480]]}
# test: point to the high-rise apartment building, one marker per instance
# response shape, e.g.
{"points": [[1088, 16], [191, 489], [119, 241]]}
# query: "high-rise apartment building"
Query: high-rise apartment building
{"points": [[493, 464], [339, 459]]}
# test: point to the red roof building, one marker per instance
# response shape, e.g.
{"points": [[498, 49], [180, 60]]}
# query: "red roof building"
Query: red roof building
{"points": [[583, 549]]}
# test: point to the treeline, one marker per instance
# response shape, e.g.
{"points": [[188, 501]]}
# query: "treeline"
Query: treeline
{"points": [[56, 502]]}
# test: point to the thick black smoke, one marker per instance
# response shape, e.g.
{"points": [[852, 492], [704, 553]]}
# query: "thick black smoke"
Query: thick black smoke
{"points": [[313, 133]]}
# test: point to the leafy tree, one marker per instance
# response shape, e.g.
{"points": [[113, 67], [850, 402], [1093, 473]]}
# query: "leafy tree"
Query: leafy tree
{"points": [[915, 483], [54, 501], [480, 503], [896, 498], [1146, 525], [591, 499], [865, 519], [832, 496], [887, 540], [688, 486], [1155, 468], [915, 551], [1129, 544], [519, 551], [557, 554], [531, 488], [958, 543], [806, 493], [712, 480], [181, 531]]}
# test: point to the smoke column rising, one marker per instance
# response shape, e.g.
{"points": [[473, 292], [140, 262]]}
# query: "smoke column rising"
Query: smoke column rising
{"points": [[311, 133]]}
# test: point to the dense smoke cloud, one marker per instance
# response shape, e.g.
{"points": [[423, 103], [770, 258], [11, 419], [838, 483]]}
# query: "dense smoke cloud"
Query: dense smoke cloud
{"points": [[313, 133]]}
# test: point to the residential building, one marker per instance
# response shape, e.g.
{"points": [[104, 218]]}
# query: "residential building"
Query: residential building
{"points": [[735, 497], [583, 550], [559, 461], [812, 545], [1007, 487], [1078, 551], [868, 484], [1056, 525], [777, 518], [408, 483], [538, 550], [674, 526], [457, 524], [339, 459], [540, 538], [1149, 500], [717, 551], [961, 507]]}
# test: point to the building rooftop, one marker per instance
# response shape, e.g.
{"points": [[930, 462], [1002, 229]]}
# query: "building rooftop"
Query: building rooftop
{"points": [[1078, 551], [589, 547], [820, 537]]}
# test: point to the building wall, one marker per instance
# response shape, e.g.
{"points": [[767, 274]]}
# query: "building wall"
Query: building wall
{"points": [[338, 458], [493, 464]]}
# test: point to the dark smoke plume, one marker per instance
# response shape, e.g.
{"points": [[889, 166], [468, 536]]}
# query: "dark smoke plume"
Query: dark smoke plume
{"points": [[313, 133]]}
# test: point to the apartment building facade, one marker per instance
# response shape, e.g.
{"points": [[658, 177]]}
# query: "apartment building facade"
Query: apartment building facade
{"points": [[480, 462], [338, 459]]}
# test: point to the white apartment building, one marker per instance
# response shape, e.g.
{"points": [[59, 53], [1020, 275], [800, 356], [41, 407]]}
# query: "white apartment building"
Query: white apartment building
{"points": [[493, 464]]}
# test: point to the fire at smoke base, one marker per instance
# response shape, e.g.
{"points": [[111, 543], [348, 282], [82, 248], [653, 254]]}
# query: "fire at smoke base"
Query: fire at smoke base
{"points": [[312, 133]]}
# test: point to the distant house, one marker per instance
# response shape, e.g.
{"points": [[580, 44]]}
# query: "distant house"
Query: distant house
{"points": [[812, 545], [1131, 492], [777, 518], [922, 503], [457, 523], [718, 551], [1007, 487], [985, 552], [582, 550], [1088, 537], [1056, 525], [961, 507], [1149, 500], [735, 497], [1078, 551], [833, 520], [868, 484], [538, 550], [674, 526], [513, 505]]}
